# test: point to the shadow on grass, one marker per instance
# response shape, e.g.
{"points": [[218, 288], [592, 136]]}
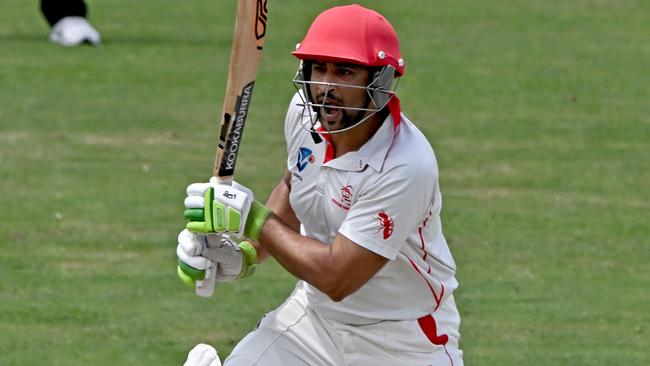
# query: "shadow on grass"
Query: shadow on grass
{"points": [[26, 37], [119, 40]]}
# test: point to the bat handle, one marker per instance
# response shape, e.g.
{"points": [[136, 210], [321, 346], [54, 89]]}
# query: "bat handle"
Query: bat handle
{"points": [[222, 180], [205, 288]]}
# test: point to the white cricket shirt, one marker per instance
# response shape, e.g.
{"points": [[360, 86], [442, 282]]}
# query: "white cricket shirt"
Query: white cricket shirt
{"points": [[384, 197]]}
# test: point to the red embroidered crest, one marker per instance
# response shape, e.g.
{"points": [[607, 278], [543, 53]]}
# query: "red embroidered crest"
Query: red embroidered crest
{"points": [[385, 223], [346, 198], [346, 195]]}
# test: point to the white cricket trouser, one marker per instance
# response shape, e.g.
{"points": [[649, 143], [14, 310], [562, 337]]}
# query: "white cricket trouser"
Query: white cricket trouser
{"points": [[295, 335]]}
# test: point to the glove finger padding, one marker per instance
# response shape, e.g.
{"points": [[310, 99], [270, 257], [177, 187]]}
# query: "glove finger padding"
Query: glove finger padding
{"points": [[193, 270], [191, 244], [191, 266], [194, 208], [197, 189], [198, 208]]}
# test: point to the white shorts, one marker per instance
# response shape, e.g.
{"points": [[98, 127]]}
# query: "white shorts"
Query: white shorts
{"points": [[295, 335]]}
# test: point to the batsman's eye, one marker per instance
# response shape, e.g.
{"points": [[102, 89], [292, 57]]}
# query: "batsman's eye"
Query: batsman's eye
{"points": [[345, 72], [318, 70]]}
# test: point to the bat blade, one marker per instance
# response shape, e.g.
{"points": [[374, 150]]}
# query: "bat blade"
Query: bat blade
{"points": [[247, 45]]}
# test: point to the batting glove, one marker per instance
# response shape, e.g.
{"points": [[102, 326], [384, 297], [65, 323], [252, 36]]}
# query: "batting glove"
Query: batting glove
{"points": [[212, 257], [202, 355], [220, 208]]}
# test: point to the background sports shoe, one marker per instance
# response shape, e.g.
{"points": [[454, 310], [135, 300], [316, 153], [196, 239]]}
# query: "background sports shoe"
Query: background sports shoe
{"points": [[73, 31]]}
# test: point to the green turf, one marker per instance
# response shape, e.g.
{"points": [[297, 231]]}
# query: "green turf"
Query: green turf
{"points": [[538, 111]]}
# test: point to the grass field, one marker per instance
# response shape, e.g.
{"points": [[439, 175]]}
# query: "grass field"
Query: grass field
{"points": [[539, 112]]}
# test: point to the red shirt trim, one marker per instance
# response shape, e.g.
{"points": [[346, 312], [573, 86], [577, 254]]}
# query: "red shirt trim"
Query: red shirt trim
{"points": [[395, 110]]}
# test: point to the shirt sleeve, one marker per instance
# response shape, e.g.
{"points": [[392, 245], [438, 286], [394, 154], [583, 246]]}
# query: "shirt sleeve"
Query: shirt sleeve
{"points": [[391, 208]]}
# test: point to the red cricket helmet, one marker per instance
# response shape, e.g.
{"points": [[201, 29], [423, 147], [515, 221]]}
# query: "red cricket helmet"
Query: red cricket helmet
{"points": [[352, 34]]}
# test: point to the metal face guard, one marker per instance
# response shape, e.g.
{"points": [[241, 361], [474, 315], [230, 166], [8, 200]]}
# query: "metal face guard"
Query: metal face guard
{"points": [[380, 91]]}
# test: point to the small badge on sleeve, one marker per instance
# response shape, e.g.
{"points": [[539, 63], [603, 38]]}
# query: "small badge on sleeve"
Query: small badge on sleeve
{"points": [[386, 224]]}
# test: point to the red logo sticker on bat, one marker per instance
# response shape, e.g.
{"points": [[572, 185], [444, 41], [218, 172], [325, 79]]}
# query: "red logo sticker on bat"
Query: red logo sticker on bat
{"points": [[262, 17], [386, 224]]}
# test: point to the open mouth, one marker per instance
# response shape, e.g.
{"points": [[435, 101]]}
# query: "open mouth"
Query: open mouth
{"points": [[331, 114]]}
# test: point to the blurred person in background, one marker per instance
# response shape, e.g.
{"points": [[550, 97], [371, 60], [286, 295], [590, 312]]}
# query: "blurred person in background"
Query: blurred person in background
{"points": [[68, 19]]}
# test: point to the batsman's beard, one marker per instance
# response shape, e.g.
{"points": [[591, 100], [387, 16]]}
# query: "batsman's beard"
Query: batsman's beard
{"points": [[347, 118]]}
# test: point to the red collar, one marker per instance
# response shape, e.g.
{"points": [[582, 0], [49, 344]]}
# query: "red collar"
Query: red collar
{"points": [[395, 110], [329, 151]]}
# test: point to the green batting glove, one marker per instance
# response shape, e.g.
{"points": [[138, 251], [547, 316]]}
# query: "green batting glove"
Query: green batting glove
{"points": [[220, 208], [213, 257]]}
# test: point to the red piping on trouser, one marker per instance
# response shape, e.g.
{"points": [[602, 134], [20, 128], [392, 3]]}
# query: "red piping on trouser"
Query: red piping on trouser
{"points": [[428, 325]]}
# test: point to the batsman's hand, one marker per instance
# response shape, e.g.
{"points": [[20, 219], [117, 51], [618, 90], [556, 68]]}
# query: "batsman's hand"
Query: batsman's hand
{"points": [[206, 257], [220, 208]]}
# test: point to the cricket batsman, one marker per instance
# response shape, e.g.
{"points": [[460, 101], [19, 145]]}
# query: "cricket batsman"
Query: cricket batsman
{"points": [[356, 217]]}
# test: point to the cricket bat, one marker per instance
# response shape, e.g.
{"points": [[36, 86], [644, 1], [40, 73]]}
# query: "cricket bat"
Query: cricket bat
{"points": [[245, 55], [247, 44]]}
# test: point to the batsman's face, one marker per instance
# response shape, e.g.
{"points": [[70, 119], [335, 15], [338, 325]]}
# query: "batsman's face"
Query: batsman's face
{"points": [[331, 87]]}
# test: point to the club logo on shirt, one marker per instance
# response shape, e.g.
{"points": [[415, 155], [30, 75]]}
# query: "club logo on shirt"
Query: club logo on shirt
{"points": [[305, 156], [346, 198], [385, 223]]}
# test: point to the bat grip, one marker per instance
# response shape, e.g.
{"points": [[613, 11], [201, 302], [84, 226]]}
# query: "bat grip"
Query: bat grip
{"points": [[222, 180]]}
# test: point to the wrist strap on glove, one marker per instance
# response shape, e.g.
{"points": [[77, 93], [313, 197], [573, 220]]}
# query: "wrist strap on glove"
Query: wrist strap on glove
{"points": [[257, 216]]}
